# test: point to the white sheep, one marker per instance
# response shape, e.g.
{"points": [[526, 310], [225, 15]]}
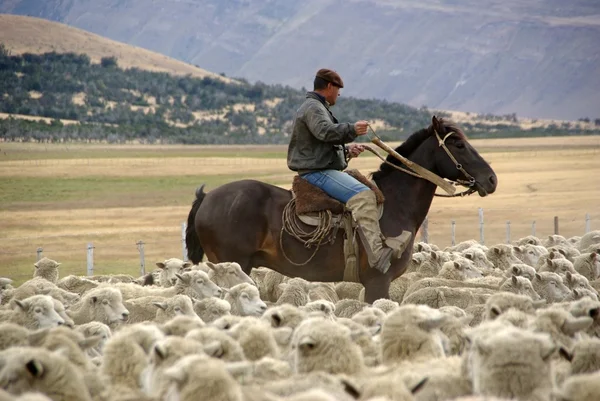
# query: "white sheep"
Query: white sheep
{"points": [[348, 290], [560, 325], [95, 329], [371, 318], [550, 287], [245, 300], [512, 363], [103, 305], [168, 269], [588, 265], [164, 354], [560, 266], [159, 309], [520, 269], [322, 291], [12, 335], [585, 387], [210, 309], [349, 307], [40, 286], [295, 292], [477, 256], [256, 338], [320, 344], [46, 269], [320, 308], [386, 305], [589, 239], [197, 378], [228, 274], [76, 284], [368, 343], [503, 301], [217, 344], [460, 269], [180, 325], [36, 312], [25, 369], [284, 315], [520, 285], [411, 333], [529, 254], [436, 297], [530, 239], [261, 371], [568, 251], [502, 256]]}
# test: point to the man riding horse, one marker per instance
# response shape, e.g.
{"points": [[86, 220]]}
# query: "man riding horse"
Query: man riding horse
{"points": [[318, 152]]}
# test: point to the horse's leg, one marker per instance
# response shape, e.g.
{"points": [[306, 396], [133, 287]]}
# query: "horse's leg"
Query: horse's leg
{"points": [[377, 287]]}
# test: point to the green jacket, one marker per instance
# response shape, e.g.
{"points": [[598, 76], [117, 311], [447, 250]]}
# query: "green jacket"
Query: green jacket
{"points": [[318, 139]]}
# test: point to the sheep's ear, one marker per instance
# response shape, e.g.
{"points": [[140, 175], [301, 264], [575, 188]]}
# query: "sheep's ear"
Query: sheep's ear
{"points": [[161, 305], [93, 300], [593, 256], [469, 256], [456, 265], [415, 388], [210, 265], [565, 353], [420, 248], [89, 342], [434, 255], [185, 265], [306, 343], [538, 276], [514, 280], [495, 311], [185, 279], [160, 351], [162, 265], [517, 249], [414, 260], [36, 265], [569, 276], [21, 304], [562, 252], [573, 325], [432, 323], [35, 368], [516, 270], [213, 349], [594, 312], [351, 388], [275, 320], [550, 263], [496, 250]]}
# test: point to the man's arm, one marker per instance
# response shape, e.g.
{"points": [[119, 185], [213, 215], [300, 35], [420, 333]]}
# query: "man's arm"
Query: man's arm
{"points": [[320, 125]]}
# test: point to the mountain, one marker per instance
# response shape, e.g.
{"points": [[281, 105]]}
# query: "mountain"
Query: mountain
{"points": [[537, 58], [34, 35]]}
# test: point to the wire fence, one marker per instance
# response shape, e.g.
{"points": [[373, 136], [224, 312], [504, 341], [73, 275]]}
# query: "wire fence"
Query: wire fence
{"points": [[127, 253]]}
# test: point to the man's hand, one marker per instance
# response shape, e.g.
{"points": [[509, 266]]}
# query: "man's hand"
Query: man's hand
{"points": [[361, 127], [355, 149]]}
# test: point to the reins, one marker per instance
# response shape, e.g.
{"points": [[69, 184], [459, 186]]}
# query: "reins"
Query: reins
{"points": [[424, 173]]}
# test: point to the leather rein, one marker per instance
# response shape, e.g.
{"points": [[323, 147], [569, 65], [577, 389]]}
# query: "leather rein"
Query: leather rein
{"points": [[469, 183]]}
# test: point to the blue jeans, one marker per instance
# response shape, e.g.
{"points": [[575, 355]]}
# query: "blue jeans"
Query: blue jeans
{"points": [[337, 184]]}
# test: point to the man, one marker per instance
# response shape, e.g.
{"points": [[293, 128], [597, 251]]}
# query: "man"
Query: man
{"points": [[317, 152]]}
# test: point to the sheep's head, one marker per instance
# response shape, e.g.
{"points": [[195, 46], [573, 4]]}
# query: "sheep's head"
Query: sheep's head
{"points": [[40, 308], [110, 301], [45, 267], [552, 286], [478, 257], [247, 298], [228, 274], [200, 284], [179, 305], [168, 270], [522, 270]]}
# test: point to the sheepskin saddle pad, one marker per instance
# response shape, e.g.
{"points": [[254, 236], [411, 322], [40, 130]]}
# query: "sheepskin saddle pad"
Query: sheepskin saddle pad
{"points": [[312, 199]]}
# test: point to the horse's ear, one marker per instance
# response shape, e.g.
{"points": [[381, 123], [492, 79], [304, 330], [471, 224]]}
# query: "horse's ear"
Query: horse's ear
{"points": [[437, 125]]}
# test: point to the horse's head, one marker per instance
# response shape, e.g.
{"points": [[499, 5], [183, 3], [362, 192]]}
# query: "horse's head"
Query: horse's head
{"points": [[457, 160]]}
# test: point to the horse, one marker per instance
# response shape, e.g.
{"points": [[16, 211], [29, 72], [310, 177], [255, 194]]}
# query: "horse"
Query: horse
{"points": [[241, 221]]}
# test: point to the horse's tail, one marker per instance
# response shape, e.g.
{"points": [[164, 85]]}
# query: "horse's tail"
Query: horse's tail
{"points": [[192, 242]]}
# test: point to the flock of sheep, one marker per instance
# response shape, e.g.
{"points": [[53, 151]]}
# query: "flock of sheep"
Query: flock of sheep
{"points": [[508, 322]]}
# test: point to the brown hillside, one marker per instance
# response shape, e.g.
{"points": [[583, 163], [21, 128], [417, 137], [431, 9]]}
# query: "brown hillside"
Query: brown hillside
{"points": [[34, 35]]}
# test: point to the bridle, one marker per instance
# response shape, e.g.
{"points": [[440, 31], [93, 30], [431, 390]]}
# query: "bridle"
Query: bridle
{"points": [[469, 183]]}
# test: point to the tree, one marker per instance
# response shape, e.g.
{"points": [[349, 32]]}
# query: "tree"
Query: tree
{"points": [[108, 62]]}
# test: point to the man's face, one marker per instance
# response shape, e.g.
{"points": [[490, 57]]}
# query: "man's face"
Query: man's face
{"points": [[332, 93]]}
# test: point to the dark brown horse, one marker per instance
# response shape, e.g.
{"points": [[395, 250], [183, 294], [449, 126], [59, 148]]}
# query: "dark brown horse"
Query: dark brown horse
{"points": [[241, 221]]}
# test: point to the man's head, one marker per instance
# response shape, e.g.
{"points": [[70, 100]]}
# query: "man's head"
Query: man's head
{"points": [[328, 83]]}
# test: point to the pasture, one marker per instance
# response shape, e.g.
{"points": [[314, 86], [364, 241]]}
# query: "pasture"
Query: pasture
{"points": [[60, 197]]}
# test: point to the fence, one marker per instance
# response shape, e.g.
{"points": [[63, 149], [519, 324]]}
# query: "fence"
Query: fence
{"points": [[120, 256]]}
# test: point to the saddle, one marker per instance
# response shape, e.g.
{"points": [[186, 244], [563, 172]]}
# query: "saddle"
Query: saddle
{"points": [[310, 199], [311, 203]]}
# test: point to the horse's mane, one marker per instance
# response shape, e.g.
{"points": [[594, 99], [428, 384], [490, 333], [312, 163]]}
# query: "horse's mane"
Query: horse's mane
{"points": [[412, 143]]}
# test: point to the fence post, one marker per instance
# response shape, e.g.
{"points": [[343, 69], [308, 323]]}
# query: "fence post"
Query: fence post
{"points": [[508, 231], [453, 232], [587, 223], [183, 229], [140, 245], [481, 238], [90, 259], [533, 228], [39, 253], [425, 230], [556, 225]]}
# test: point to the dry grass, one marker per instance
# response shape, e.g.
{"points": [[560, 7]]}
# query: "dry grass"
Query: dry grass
{"points": [[131, 198], [23, 34]]}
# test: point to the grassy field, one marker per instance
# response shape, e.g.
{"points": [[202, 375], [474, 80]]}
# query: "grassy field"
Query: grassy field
{"points": [[62, 197]]}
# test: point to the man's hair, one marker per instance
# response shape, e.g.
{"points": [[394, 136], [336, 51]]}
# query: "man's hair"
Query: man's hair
{"points": [[320, 83]]}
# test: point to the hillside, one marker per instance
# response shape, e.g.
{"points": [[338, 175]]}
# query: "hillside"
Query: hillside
{"points": [[536, 59], [35, 35]]}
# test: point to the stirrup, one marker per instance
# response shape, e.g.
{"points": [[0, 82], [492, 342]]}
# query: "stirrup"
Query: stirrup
{"points": [[398, 243]]}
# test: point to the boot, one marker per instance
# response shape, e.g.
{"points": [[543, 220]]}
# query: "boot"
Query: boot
{"points": [[363, 207]]}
